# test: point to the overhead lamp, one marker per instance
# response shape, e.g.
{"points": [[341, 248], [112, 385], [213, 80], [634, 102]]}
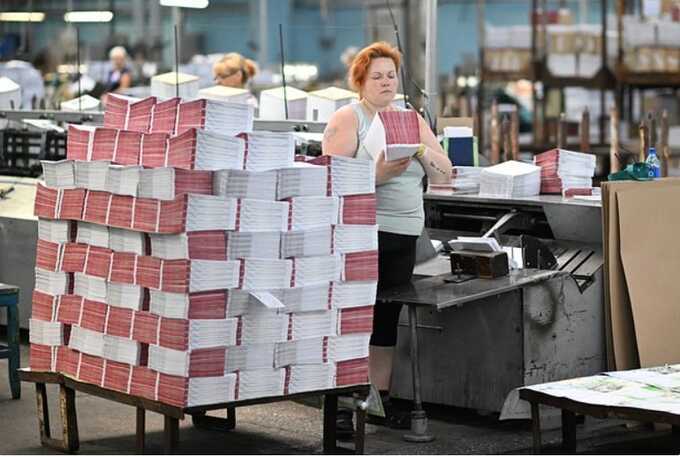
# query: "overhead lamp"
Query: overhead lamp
{"points": [[88, 16], [186, 3], [22, 17]]}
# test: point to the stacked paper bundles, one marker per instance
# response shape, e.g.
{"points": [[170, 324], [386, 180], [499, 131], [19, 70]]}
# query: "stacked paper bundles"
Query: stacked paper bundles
{"points": [[510, 179], [321, 104], [147, 287], [173, 84], [128, 113], [59, 174], [272, 105], [225, 94], [465, 180], [165, 116], [214, 116], [402, 133], [562, 169]]}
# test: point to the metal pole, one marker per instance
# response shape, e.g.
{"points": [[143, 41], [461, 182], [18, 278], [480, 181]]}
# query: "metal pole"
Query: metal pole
{"points": [[480, 87], [431, 56], [264, 57]]}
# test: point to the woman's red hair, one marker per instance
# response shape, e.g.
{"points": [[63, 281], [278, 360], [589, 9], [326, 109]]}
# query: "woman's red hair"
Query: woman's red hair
{"points": [[359, 69]]}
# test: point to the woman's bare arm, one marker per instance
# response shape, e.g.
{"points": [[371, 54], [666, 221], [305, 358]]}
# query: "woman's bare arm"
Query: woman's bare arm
{"points": [[435, 161], [340, 136]]}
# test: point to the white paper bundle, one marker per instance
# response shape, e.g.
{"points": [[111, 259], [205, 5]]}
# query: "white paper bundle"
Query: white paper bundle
{"points": [[269, 150], [225, 94], [303, 299], [465, 180], [261, 383], [92, 234], [347, 175], [59, 173], [167, 85], [305, 378], [170, 361], [245, 184], [353, 294], [213, 275], [355, 238], [261, 325], [321, 104], [208, 212], [123, 180], [301, 352], [198, 149], [313, 270], [242, 302], [263, 245], [10, 94], [86, 341], [250, 357], [313, 324], [121, 240], [306, 243], [82, 103], [91, 175], [510, 179], [272, 105], [90, 287], [310, 212], [165, 183], [45, 332], [204, 333], [259, 274], [211, 390], [54, 231], [568, 163], [301, 180], [128, 296], [262, 216], [213, 116], [123, 350], [349, 347], [51, 282]]}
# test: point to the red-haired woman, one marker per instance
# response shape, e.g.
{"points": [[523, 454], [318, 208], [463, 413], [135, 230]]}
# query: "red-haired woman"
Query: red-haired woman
{"points": [[399, 192]]}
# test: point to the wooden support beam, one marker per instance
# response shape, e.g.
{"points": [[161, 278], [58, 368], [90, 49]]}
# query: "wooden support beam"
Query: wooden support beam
{"points": [[514, 134], [644, 145], [505, 128], [562, 131], [614, 163], [584, 130], [664, 148], [495, 135]]}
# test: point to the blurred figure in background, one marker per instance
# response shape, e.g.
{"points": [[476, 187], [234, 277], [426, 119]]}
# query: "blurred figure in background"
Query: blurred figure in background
{"points": [[234, 70], [120, 76]]}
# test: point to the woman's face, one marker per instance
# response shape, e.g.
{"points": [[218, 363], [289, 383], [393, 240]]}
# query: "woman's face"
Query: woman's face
{"points": [[381, 82], [232, 78]]}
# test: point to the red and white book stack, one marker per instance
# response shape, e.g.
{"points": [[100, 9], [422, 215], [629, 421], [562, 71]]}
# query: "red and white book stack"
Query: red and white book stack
{"points": [[348, 176], [302, 180], [127, 113], [261, 185], [214, 116], [562, 169], [268, 150]]}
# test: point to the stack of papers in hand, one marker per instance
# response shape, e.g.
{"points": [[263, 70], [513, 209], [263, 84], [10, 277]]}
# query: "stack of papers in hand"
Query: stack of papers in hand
{"points": [[213, 116], [246, 184], [168, 183], [311, 377], [225, 94], [562, 169], [348, 176], [301, 352], [173, 84], [302, 179], [402, 133], [250, 357], [273, 107], [268, 150], [510, 179], [60, 173], [201, 150], [187, 392], [123, 180], [261, 383]]}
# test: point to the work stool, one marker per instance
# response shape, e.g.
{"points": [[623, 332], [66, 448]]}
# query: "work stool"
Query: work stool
{"points": [[9, 299]]}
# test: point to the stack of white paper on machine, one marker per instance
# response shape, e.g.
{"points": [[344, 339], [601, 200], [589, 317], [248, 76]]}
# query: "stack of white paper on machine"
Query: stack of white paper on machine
{"points": [[121, 240], [262, 325], [82, 103], [127, 296], [250, 357], [348, 176], [45, 332], [90, 287], [93, 234], [91, 175], [197, 149], [321, 104], [259, 185], [308, 242], [213, 116], [510, 179], [167, 85], [272, 106], [301, 352], [313, 324], [302, 299], [269, 150], [355, 238], [353, 294], [311, 377], [474, 243], [225, 94], [123, 180], [302, 179], [310, 212], [60, 173], [54, 231], [313, 270], [10, 94]]}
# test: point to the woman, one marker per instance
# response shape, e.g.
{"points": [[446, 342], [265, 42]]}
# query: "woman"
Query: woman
{"points": [[399, 189], [119, 77], [234, 70]]}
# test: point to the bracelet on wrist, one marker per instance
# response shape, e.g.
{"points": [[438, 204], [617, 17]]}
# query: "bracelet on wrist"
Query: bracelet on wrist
{"points": [[420, 152]]}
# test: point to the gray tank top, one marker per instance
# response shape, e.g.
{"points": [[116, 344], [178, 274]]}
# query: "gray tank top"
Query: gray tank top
{"points": [[399, 200]]}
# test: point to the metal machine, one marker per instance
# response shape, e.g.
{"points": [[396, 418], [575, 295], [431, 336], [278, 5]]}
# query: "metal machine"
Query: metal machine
{"points": [[475, 353]]}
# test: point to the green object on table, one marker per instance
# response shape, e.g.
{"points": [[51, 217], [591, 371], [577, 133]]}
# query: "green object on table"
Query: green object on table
{"points": [[636, 172]]}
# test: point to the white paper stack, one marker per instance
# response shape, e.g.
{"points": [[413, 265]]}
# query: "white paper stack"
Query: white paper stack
{"points": [[261, 325], [241, 302], [51, 282], [303, 299], [59, 173], [225, 94], [301, 352], [195, 334], [466, 179], [349, 347], [353, 294], [208, 212], [269, 150], [121, 240], [262, 216], [10, 94], [250, 357], [92, 234], [127, 296], [202, 391], [562, 169], [198, 149], [45, 332], [167, 85], [355, 238], [123, 350], [304, 378], [91, 175], [54, 231], [259, 185], [313, 324], [261, 383], [259, 274], [313, 270], [302, 180], [348, 176], [263, 245], [123, 180], [165, 183], [272, 105], [173, 362], [321, 104], [310, 212], [82, 103], [213, 116], [86, 341], [90, 287], [305, 243], [510, 179]]}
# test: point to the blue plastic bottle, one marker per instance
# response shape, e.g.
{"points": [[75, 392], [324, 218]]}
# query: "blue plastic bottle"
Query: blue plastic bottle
{"points": [[654, 164]]}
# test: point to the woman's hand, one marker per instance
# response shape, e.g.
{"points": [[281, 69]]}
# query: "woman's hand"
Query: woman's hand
{"points": [[386, 170]]}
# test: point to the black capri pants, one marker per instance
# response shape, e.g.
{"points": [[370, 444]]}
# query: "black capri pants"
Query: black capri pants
{"points": [[396, 259]]}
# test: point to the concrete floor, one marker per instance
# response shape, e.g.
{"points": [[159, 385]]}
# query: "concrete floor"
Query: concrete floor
{"points": [[106, 427]]}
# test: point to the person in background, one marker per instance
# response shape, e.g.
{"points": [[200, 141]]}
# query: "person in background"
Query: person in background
{"points": [[234, 70], [120, 75], [399, 192]]}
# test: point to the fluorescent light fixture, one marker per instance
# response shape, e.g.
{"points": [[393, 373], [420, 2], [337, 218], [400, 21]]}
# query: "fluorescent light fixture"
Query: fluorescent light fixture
{"points": [[88, 16], [22, 17], [186, 3]]}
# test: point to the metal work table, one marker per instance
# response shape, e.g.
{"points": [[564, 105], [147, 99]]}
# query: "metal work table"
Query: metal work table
{"points": [[538, 200]]}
